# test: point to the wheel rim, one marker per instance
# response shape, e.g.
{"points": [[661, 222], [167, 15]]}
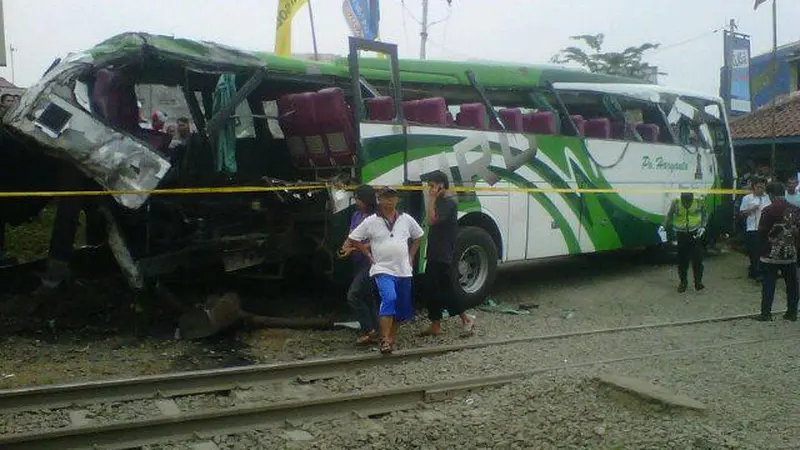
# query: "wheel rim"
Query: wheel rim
{"points": [[473, 269]]}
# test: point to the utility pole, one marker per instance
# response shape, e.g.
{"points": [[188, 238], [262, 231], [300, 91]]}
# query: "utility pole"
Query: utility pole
{"points": [[424, 33], [313, 31]]}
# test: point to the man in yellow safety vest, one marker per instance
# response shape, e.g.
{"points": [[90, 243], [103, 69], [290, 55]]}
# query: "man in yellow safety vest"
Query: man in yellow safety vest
{"points": [[688, 217]]}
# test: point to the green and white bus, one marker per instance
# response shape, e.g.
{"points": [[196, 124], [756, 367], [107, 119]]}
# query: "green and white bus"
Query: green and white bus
{"points": [[547, 161]]}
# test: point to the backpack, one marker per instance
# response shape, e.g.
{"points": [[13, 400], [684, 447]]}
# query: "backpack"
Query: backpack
{"points": [[783, 236]]}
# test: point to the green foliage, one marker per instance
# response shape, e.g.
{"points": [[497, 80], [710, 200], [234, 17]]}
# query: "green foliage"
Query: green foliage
{"points": [[627, 63], [30, 241]]}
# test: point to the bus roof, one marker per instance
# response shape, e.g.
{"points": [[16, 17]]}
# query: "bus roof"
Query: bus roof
{"points": [[213, 55], [647, 92], [493, 74]]}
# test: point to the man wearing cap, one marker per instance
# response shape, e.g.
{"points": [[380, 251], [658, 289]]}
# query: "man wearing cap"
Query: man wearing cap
{"points": [[388, 233], [688, 217], [442, 213]]}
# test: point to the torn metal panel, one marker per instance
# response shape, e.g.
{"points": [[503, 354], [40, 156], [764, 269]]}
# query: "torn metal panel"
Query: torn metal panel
{"points": [[122, 254], [50, 114], [116, 161]]}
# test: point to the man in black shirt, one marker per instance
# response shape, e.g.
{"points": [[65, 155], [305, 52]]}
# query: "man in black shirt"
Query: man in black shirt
{"points": [[442, 213]]}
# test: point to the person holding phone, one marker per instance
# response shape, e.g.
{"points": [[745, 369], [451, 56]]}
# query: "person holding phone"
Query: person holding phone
{"points": [[442, 213]]}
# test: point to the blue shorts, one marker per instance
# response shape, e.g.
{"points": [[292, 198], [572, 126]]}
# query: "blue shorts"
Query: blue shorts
{"points": [[395, 295]]}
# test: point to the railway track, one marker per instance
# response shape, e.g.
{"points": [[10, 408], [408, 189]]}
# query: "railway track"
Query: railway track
{"points": [[173, 423], [205, 425], [221, 380]]}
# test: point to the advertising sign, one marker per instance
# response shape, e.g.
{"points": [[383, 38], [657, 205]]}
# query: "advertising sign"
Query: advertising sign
{"points": [[737, 68]]}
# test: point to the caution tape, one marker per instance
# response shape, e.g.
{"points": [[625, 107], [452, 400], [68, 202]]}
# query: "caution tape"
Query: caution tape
{"points": [[262, 189]]}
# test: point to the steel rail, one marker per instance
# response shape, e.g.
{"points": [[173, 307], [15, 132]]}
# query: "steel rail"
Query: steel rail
{"points": [[135, 433], [227, 379]]}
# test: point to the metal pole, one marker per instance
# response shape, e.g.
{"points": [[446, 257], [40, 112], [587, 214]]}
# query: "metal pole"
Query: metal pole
{"points": [[13, 66], [773, 156], [313, 31], [424, 33]]}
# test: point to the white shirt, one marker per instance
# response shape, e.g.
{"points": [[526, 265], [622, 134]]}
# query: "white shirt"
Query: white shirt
{"points": [[754, 217], [389, 247]]}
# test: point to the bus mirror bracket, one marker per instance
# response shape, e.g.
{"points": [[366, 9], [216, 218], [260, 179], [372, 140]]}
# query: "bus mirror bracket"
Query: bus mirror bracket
{"points": [[390, 50], [561, 106], [485, 99]]}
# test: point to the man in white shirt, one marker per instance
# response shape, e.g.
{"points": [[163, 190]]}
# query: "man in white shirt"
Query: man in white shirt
{"points": [[752, 206], [388, 233], [792, 195]]}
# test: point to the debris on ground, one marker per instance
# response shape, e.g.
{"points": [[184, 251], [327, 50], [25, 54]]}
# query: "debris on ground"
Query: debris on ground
{"points": [[492, 306], [221, 312]]}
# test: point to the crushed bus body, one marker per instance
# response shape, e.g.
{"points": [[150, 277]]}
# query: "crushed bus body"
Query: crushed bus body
{"points": [[84, 114], [525, 145]]}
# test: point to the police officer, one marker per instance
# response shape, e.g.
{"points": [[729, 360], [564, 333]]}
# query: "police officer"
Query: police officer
{"points": [[688, 217]]}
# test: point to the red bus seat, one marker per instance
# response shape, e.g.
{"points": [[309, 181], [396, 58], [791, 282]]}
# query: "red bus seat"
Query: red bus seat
{"points": [[335, 123], [472, 115], [432, 111], [290, 118], [512, 119], [648, 131], [598, 128], [380, 109], [114, 96], [543, 122]]}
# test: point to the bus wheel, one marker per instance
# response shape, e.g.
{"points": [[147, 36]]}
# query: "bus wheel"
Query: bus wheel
{"points": [[475, 258]]}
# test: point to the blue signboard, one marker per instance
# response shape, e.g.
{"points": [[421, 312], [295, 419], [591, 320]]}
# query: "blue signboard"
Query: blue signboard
{"points": [[363, 17], [736, 89]]}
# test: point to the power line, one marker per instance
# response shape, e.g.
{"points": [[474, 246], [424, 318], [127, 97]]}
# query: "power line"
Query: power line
{"points": [[687, 41]]}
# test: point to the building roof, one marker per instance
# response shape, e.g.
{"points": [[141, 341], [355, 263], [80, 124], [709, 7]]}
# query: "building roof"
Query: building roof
{"points": [[6, 84], [758, 125]]}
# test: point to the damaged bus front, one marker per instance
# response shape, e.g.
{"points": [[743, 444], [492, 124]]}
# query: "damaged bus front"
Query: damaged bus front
{"points": [[248, 202]]}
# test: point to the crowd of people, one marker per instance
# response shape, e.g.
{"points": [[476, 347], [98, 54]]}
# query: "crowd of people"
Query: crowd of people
{"points": [[770, 216], [378, 243]]}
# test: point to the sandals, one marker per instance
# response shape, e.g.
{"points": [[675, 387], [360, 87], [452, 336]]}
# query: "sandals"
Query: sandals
{"points": [[368, 338], [386, 347]]}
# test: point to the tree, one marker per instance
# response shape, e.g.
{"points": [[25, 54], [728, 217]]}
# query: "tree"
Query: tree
{"points": [[626, 63]]}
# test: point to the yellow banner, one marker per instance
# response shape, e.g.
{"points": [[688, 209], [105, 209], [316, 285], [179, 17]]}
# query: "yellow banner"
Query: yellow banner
{"points": [[283, 29]]}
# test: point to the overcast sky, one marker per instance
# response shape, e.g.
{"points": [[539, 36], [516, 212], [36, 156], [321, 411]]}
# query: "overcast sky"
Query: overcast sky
{"points": [[527, 31]]}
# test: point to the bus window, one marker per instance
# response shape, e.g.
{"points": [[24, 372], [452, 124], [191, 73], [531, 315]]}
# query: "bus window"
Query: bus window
{"points": [[698, 124], [591, 108]]}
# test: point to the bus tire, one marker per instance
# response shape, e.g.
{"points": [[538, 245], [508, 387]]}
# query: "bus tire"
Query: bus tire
{"points": [[475, 266]]}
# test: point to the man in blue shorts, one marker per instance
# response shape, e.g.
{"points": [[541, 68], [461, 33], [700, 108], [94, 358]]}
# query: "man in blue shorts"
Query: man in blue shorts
{"points": [[388, 233]]}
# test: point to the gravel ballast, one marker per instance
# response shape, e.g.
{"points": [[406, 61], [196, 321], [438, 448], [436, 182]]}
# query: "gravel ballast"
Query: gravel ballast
{"points": [[750, 403]]}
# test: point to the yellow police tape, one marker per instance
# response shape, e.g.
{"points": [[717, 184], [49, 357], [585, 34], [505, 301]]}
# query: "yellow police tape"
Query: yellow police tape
{"points": [[260, 189]]}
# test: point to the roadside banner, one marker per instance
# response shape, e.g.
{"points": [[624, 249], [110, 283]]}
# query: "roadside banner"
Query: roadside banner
{"points": [[283, 29], [363, 17]]}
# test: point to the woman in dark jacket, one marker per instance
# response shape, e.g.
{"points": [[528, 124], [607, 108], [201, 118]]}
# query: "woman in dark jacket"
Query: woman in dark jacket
{"points": [[361, 295]]}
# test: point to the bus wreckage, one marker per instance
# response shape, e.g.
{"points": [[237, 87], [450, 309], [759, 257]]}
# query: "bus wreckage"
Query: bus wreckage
{"points": [[533, 133]]}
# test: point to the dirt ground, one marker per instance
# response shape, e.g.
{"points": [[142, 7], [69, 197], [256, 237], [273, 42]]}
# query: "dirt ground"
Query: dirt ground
{"points": [[597, 291]]}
